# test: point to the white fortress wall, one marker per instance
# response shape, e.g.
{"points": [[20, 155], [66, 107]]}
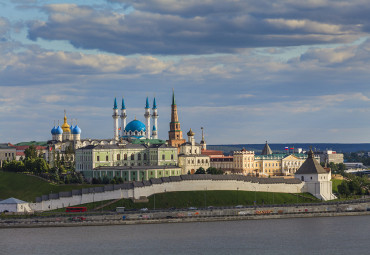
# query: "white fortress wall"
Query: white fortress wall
{"points": [[184, 185]]}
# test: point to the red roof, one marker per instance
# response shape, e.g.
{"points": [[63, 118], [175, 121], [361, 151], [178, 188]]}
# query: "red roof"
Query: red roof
{"points": [[23, 147], [212, 153]]}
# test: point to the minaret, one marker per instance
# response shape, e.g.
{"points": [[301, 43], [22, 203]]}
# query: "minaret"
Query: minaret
{"points": [[147, 118], [203, 142], [175, 133], [155, 118], [154, 133], [115, 120], [123, 116]]}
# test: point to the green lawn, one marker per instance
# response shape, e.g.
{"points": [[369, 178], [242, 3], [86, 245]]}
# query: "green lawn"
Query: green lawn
{"points": [[199, 199], [27, 188]]}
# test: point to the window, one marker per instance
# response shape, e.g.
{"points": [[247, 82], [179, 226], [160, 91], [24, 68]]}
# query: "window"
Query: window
{"points": [[139, 156], [106, 158], [144, 156], [98, 158], [163, 157], [132, 156], [171, 156], [125, 156], [198, 161], [118, 157]]}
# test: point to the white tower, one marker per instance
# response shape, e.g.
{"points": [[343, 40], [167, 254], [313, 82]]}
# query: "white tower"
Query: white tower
{"points": [[123, 116], [147, 118], [203, 142], [115, 119], [155, 118]]}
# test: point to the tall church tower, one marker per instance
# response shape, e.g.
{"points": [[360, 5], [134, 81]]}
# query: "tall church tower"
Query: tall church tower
{"points": [[175, 133], [115, 120]]}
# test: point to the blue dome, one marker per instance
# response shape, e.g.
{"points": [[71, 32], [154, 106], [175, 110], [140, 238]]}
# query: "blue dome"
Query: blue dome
{"points": [[76, 130], [58, 130], [53, 130], [71, 128], [135, 125]]}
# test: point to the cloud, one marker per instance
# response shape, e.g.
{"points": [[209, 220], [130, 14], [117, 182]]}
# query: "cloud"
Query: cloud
{"points": [[193, 27]]}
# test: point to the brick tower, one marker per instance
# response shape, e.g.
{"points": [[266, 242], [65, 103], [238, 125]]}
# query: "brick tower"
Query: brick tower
{"points": [[175, 133]]}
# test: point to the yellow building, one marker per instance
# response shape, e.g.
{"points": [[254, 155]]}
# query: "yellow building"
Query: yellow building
{"points": [[247, 163]]}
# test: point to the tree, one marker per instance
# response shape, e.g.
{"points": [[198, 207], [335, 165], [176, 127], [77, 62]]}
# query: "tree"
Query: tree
{"points": [[343, 189], [30, 152], [200, 170], [213, 170]]}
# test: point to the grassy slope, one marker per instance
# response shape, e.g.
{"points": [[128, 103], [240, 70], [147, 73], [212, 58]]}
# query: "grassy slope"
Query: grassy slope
{"points": [[29, 187], [335, 184]]}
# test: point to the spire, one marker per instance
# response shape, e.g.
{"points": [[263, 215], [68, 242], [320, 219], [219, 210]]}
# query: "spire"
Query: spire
{"points": [[115, 104], [266, 150], [123, 104], [147, 103], [202, 134], [154, 104], [173, 97]]}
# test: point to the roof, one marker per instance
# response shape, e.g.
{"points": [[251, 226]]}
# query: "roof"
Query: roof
{"points": [[6, 146], [266, 150], [12, 200], [23, 147], [311, 166], [136, 167], [212, 152]]}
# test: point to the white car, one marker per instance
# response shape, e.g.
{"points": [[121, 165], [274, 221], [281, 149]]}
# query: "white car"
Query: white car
{"points": [[144, 209]]}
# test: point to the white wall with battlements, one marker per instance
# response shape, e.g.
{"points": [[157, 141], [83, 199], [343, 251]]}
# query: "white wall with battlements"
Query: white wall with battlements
{"points": [[146, 191]]}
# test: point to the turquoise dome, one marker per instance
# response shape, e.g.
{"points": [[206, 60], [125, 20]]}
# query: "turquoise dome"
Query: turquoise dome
{"points": [[58, 130], [76, 130], [135, 125]]}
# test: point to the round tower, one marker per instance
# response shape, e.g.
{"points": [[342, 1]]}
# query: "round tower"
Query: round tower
{"points": [[123, 116], [115, 120], [155, 119], [147, 118]]}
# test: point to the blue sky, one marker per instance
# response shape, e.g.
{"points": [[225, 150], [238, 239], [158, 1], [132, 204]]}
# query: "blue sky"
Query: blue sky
{"points": [[247, 71]]}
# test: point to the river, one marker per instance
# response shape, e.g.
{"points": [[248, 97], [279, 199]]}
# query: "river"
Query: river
{"points": [[323, 235]]}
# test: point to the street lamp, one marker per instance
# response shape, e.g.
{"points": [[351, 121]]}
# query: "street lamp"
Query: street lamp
{"points": [[237, 197]]}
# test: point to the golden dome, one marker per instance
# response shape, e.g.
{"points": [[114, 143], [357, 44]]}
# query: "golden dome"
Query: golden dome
{"points": [[65, 126], [190, 133]]}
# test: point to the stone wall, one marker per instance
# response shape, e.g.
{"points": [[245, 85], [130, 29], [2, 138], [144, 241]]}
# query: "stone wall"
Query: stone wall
{"points": [[167, 184]]}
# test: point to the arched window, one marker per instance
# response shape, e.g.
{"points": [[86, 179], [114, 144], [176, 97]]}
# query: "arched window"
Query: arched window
{"points": [[132, 156], [118, 157], [139, 156], [198, 161], [125, 156], [302, 178], [144, 156]]}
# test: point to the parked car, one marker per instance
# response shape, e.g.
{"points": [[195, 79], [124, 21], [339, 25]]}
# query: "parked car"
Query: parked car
{"points": [[239, 206], [192, 208], [144, 209]]}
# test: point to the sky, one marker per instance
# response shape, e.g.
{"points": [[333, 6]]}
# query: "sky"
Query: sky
{"points": [[286, 71]]}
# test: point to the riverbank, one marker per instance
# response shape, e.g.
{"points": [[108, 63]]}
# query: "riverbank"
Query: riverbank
{"points": [[183, 216]]}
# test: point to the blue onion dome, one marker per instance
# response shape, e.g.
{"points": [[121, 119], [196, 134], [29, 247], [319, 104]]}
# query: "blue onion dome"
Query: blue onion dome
{"points": [[58, 130], [135, 125], [53, 130], [76, 130], [71, 128]]}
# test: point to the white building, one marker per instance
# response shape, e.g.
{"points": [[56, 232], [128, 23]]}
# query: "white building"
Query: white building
{"points": [[190, 157], [14, 205], [317, 179]]}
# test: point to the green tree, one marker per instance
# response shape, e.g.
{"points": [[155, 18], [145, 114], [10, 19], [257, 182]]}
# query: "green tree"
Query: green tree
{"points": [[343, 189], [213, 170], [200, 170], [30, 152]]}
